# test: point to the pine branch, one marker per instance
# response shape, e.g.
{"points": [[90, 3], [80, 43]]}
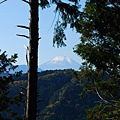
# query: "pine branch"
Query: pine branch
{"points": [[23, 36], [22, 26]]}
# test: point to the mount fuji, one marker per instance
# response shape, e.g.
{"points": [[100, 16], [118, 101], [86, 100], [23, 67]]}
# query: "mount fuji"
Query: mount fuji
{"points": [[60, 62]]}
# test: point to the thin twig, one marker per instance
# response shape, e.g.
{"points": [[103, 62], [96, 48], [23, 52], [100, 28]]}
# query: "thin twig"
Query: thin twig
{"points": [[102, 110], [23, 36], [22, 26], [26, 1], [52, 21], [39, 38], [105, 101], [3, 1]]}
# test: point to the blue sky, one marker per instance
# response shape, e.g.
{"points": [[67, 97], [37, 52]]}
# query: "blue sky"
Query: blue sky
{"points": [[16, 12]]}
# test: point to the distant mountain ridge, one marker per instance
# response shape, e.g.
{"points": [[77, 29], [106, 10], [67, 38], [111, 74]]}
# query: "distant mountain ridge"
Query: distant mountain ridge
{"points": [[24, 68], [57, 63], [60, 62]]}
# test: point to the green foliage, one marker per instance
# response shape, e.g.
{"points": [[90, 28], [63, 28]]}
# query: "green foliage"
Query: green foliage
{"points": [[6, 67], [68, 13], [60, 93], [99, 26], [99, 47], [58, 96], [59, 35]]}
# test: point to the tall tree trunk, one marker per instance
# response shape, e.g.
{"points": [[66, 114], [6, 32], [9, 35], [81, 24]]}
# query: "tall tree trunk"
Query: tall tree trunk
{"points": [[31, 104]]}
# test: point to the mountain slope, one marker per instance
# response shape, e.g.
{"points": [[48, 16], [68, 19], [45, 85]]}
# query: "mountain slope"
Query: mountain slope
{"points": [[60, 91], [60, 62]]}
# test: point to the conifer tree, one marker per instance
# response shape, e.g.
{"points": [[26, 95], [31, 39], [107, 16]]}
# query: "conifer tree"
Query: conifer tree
{"points": [[99, 47], [6, 79]]}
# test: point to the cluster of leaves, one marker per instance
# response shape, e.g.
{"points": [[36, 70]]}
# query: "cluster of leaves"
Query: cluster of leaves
{"points": [[6, 68], [99, 47], [68, 13]]}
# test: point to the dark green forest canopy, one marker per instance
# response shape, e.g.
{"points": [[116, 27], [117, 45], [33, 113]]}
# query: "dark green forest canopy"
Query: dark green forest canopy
{"points": [[100, 33], [60, 93], [99, 47]]}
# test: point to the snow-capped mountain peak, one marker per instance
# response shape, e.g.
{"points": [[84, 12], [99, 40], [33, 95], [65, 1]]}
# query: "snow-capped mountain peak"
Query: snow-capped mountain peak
{"points": [[60, 59], [60, 62]]}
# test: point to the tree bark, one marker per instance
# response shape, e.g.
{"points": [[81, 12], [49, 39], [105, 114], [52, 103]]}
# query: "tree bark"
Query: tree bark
{"points": [[31, 103]]}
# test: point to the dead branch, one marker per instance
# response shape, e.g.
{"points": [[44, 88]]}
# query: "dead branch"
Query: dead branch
{"points": [[22, 26], [105, 101], [39, 38], [26, 1], [23, 36]]}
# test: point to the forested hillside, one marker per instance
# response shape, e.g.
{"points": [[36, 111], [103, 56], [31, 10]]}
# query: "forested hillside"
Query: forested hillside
{"points": [[58, 95]]}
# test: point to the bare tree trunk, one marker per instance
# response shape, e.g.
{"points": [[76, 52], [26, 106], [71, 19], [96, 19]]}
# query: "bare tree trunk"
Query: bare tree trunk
{"points": [[31, 105]]}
